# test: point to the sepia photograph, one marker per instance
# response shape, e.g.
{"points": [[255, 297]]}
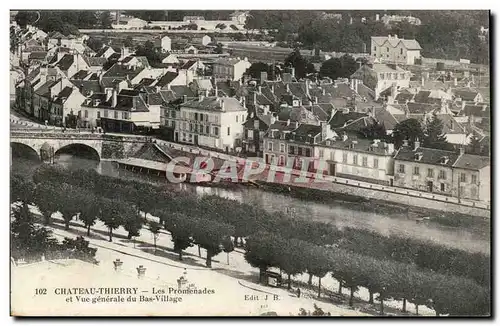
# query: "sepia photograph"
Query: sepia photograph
{"points": [[243, 163]]}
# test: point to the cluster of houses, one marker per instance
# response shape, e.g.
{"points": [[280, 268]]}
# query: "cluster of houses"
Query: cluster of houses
{"points": [[284, 120]]}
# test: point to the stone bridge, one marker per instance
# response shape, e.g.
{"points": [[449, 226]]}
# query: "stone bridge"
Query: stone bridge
{"points": [[103, 146]]}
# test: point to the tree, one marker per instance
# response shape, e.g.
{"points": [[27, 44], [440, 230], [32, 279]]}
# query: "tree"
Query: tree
{"points": [[46, 199], [128, 42], [296, 60], [434, 136], [89, 211], [148, 50], [256, 68], [132, 224], [219, 48], [28, 241], [105, 20], [154, 228], [342, 67], [375, 131], [95, 43], [21, 189], [181, 229], [69, 201], [317, 263], [261, 251], [409, 129], [111, 215], [212, 236]]}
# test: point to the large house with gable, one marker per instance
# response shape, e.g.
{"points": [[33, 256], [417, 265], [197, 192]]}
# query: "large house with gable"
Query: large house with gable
{"points": [[396, 50]]}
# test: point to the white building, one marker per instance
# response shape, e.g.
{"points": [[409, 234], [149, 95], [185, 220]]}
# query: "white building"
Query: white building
{"points": [[166, 44], [382, 77], [230, 68], [396, 50], [214, 122]]}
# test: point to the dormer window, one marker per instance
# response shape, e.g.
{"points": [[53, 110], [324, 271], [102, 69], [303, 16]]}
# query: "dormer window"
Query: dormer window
{"points": [[444, 160], [418, 156]]}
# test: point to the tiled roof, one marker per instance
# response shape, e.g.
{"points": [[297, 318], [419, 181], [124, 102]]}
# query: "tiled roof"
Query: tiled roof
{"points": [[466, 95], [44, 90], [420, 108], [80, 75], [188, 64], [167, 79], [362, 145], [476, 110], [87, 86], [181, 90], [299, 114], [65, 62], [101, 51], [472, 162], [409, 44], [63, 95], [120, 71], [95, 61], [215, 104], [429, 156], [37, 55], [340, 119]]}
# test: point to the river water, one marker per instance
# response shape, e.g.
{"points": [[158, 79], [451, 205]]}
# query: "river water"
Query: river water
{"points": [[342, 216]]}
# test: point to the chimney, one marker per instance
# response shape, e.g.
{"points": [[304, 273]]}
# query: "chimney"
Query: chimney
{"points": [[272, 88], [389, 36], [416, 145], [292, 72], [455, 82], [323, 91], [273, 119], [396, 36], [288, 88], [405, 142], [324, 130], [344, 136], [423, 81], [244, 102], [114, 97], [222, 104], [377, 17], [254, 98], [308, 85], [288, 122], [315, 100], [462, 150], [263, 77], [200, 97], [184, 98], [260, 89], [356, 83]]}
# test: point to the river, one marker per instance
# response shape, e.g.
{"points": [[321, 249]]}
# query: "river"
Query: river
{"points": [[476, 239]]}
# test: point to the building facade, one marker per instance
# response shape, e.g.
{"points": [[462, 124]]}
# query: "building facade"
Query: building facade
{"points": [[395, 50]]}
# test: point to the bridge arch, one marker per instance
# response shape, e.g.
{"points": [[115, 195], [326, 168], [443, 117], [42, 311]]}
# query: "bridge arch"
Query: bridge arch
{"points": [[80, 150], [19, 149]]}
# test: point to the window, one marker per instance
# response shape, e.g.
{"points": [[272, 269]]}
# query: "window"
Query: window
{"points": [[443, 187], [416, 170], [98, 114], [374, 48], [462, 177], [308, 152], [355, 159], [365, 161], [430, 173], [270, 146], [256, 124], [375, 163], [228, 131], [282, 148], [196, 116], [116, 114], [387, 49], [299, 151], [461, 190], [105, 113], [401, 50], [216, 131], [291, 149], [321, 153], [236, 118], [442, 174], [382, 76], [473, 192], [332, 156], [86, 113], [344, 157], [250, 134], [124, 115], [473, 179], [207, 130], [401, 168]]}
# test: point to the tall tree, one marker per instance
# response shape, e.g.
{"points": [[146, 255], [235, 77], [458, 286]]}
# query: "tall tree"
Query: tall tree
{"points": [[105, 20], [342, 67], [297, 61], [434, 136], [409, 129]]}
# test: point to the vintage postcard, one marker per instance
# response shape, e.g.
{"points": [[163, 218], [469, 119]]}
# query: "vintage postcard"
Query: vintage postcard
{"points": [[250, 163]]}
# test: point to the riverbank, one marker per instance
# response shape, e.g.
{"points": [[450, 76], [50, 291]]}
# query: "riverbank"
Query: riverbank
{"points": [[379, 206]]}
